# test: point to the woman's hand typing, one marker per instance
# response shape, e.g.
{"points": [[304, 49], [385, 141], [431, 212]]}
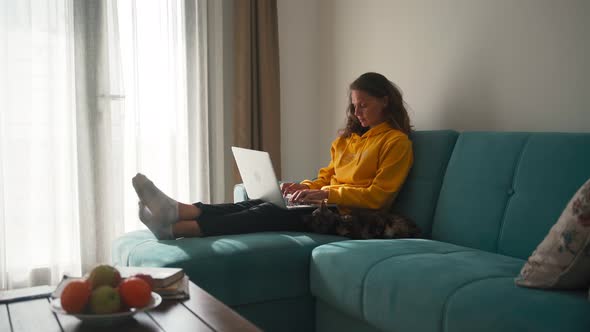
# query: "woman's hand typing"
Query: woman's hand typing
{"points": [[315, 196], [290, 188]]}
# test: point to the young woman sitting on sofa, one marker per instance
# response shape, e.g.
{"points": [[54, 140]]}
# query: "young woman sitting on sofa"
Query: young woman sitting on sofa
{"points": [[369, 163]]}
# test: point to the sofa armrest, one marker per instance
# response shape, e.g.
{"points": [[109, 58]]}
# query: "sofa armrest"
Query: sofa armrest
{"points": [[240, 194]]}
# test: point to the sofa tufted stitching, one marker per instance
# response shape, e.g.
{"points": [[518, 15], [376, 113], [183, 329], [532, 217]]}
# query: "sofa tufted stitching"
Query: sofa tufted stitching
{"points": [[443, 319], [362, 302], [377, 242], [509, 199]]}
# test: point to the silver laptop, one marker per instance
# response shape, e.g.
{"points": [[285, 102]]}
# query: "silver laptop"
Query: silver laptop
{"points": [[260, 180]]}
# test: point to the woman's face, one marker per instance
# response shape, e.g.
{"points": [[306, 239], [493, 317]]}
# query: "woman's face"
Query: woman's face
{"points": [[368, 110]]}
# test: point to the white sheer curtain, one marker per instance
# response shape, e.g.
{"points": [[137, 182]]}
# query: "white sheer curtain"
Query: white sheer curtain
{"points": [[153, 40], [38, 157], [91, 93]]}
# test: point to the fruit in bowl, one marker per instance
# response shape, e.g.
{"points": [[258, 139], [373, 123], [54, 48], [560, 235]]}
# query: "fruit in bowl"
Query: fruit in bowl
{"points": [[105, 292], [104, 300], [147, 278], [104, 275], [75, 296], [135, 292]]}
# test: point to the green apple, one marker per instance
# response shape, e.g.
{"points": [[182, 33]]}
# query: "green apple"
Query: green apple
{"points": [[105, 300], [104, 275]]}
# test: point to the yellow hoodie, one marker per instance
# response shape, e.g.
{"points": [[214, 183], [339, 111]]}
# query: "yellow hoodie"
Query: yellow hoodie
{"points": [[366, 171]]}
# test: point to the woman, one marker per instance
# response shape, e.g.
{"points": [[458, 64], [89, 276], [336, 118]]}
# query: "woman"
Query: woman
{"points": [[370, 161]]}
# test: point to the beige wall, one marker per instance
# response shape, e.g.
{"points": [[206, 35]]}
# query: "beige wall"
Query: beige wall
{"points": [[511, 65], [300, 87]]}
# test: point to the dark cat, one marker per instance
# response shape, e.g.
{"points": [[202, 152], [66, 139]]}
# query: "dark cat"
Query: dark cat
{"points": [[369, 224], [323, 220], [362, 224]]}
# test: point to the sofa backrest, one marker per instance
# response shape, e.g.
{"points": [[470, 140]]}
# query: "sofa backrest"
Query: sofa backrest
{"points": [[503, 191], [419, 195]]}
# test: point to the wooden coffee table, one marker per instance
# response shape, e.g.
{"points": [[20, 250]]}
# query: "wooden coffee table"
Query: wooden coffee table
{"points": [[202, 312]]}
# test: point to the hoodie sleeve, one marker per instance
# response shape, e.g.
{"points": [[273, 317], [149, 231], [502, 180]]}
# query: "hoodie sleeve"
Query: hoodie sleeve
{"points": [[394, 165], [324, 174]]}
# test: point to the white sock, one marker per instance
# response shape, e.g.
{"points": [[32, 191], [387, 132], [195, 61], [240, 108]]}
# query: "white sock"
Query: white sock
{"points": [[163, 208], [162, 232]]}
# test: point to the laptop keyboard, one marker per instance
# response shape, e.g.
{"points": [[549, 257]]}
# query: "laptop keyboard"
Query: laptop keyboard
{"points": [[288, 201]]}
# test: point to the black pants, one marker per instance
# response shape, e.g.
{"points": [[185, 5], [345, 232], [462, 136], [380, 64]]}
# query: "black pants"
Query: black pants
{"points": [[249, 217]]}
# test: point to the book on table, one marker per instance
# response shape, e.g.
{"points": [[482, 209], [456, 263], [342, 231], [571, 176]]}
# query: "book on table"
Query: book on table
{"points": [[163, 276], [176, 291], [170, 282]]}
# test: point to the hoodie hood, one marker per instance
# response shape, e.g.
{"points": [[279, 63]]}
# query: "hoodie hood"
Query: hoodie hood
{"points": [[357, 144], [378, 129]]}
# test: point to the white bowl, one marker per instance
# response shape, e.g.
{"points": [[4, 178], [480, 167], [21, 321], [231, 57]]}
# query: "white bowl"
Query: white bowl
{"points": [[105, 319]]}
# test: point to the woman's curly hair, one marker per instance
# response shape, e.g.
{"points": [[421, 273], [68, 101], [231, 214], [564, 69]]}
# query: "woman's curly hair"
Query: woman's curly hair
{"points": [[378, 86]]}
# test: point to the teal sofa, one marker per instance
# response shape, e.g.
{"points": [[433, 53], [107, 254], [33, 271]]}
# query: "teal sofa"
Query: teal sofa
{"points": [[484, 201]]}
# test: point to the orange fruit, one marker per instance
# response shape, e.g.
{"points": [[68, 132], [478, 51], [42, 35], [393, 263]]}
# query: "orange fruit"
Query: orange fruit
{"points": [[147, 278], [75, 296], [135, 292]]}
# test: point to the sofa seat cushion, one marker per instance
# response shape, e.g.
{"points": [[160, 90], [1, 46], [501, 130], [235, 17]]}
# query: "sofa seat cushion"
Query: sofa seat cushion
{"points": [[401, 285], [237, 269], [496, 304]]}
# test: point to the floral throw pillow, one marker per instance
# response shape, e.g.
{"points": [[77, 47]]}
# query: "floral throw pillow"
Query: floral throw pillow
{"points": [[562, 260]]}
